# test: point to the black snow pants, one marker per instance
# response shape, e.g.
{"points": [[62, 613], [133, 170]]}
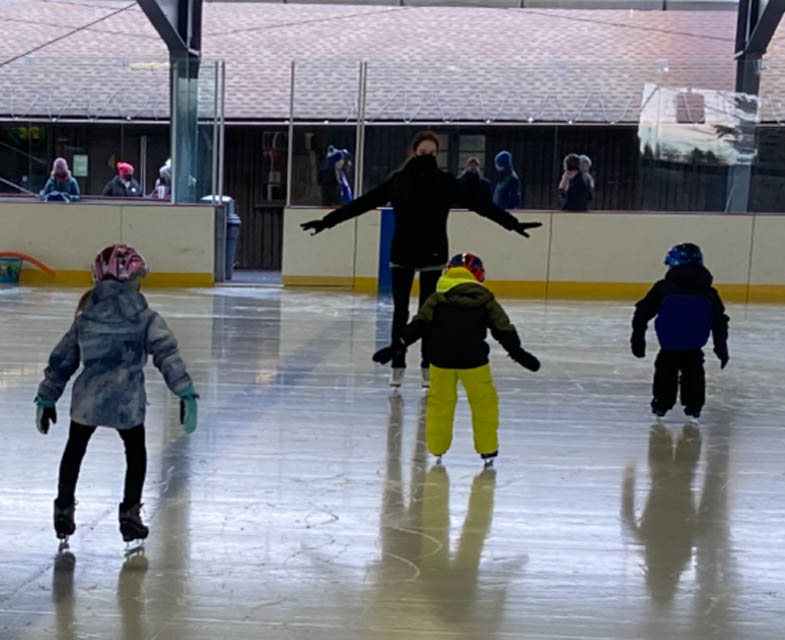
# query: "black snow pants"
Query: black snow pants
{"points": [[679, 369]]}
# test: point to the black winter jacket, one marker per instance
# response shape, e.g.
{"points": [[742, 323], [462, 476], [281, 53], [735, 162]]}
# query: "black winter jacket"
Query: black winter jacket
{"points": [[455, 320], [421, 196], [116, 188], [578, 194], [470, 180], [688, 309]]}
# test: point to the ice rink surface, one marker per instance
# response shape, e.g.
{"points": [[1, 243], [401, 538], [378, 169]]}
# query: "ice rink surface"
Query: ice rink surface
{"points": [[306, 506]]}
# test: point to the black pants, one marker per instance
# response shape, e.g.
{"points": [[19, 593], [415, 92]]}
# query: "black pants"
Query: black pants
{"points": [[135, 457], [679, 368], [402, 281]]}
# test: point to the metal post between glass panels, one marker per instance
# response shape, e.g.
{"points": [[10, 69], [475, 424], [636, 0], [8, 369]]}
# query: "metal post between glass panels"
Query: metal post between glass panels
{"points": [[184, 126], [290, 141], [214, 185], [222, 129], [359, 153]]}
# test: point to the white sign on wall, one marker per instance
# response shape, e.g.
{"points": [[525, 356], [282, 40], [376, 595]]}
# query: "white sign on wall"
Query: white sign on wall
{"points": [[80, 166]]}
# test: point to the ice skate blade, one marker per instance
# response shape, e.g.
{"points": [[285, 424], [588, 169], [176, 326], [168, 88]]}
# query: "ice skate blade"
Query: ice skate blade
{"points": [[134, 547]]}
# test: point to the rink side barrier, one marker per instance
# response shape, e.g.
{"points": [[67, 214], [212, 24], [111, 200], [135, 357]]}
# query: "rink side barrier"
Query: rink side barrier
{"points": [[178, 241], [574, 256]]}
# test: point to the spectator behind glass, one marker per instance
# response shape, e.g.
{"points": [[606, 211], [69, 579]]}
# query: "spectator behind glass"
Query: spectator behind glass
{"points": [[574, 185], [508, 193], [333, 180], [472, 179], [123, 184], [586, 169], [61, 186], [163, 185]]}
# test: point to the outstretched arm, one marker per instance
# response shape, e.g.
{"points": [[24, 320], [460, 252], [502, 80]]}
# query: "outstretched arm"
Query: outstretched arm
{"points": [[505, 333], [413, 332], [472, 199], [374, 199], [63, 363], [162, 345]]}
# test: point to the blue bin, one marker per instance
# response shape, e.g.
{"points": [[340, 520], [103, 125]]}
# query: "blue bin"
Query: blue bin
{"points": [[10, 268]]}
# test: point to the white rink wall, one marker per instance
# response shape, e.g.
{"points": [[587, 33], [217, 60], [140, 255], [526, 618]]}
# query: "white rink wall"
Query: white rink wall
{"points": [[178, 241], [574, 255]]}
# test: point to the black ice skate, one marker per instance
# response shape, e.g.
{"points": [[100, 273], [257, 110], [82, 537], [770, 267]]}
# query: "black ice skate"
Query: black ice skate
{"points": [[488, 458], [64, 521], [131, 525], [693, 415], [657, 411]]}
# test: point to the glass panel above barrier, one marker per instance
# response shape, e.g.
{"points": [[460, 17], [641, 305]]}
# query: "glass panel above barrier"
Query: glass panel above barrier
{"points": [[108, 111], [323, 165]]}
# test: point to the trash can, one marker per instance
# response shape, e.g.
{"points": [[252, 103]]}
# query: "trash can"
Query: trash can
{"points": [[10, 269], [233, 223]]}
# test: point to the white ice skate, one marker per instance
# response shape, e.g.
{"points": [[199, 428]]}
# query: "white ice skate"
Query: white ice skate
{"points": [[396, 377], [426, 377]]}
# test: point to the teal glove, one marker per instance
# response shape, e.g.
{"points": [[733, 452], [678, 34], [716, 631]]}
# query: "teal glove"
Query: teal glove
{"points": [[188, 409], [45, 413]]}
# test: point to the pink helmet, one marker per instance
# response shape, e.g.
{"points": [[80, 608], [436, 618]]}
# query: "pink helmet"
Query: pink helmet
{"points": [[119, 261]]}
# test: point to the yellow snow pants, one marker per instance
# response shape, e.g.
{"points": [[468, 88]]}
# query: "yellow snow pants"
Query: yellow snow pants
{"points": [[442, 398]]}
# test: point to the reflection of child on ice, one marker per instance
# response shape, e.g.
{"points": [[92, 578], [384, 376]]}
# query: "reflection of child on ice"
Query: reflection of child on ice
{"points": [[112, 335], [454, 323]]}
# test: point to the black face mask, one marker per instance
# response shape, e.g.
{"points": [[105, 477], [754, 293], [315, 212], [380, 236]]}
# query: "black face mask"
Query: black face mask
{"points": [[424, 164]]}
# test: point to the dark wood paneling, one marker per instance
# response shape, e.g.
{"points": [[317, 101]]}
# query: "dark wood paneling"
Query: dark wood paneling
{"points": [[261, 238], [255, 170]]}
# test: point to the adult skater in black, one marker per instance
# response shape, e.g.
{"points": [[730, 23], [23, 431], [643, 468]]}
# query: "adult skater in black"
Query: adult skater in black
{"points": [[421, 195], [688, 310]]}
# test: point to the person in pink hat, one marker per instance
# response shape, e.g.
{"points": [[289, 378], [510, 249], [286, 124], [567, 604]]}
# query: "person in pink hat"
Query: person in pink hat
{"points": [[123, 185]]}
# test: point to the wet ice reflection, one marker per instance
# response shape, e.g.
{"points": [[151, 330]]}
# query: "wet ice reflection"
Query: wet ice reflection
{"points": [[306, 505]]}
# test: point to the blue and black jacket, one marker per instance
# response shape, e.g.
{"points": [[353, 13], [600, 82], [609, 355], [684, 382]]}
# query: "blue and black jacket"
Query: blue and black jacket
{"points": [[688, 310]]}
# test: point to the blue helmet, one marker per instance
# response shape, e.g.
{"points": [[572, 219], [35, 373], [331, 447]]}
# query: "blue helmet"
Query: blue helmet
{"points": [[684, 253]]}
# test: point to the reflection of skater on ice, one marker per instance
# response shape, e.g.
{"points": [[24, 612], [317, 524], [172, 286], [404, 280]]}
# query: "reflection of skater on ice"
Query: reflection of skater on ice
{"points": [[667, 526]]}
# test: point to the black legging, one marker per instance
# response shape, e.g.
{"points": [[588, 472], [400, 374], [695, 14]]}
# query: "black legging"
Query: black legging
{"points": [[402, 281], [135, 456]]}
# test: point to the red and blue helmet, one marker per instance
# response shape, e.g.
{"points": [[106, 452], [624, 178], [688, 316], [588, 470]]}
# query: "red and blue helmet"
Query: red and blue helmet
{"points": [[471, 262], [684, 253]]}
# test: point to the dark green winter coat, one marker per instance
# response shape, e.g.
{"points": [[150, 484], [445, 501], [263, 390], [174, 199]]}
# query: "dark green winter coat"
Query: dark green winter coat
{"points": [[455, 321]]}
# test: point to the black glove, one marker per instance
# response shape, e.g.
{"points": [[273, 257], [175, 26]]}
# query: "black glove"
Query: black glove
{"points": [[722, 354], [317, 226], [638, 345], [383, 356], [525, 359], [44, 416], [522, 226]]}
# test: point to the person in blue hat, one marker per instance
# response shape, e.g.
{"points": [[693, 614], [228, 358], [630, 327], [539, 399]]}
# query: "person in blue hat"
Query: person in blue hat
{"points": [[333, 180], [508, 193], [688, 310]]}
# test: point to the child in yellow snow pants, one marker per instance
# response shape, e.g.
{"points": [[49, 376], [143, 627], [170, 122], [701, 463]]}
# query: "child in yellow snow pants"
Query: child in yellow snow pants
{"points": [[442, 398], [454, 323]]}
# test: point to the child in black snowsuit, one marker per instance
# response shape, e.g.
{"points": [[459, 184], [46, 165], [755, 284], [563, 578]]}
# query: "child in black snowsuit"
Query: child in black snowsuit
{"points": [[688, 309]]}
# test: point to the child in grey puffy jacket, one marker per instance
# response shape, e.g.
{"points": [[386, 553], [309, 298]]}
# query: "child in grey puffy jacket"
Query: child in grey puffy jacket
{"points": [[112, 335]]}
